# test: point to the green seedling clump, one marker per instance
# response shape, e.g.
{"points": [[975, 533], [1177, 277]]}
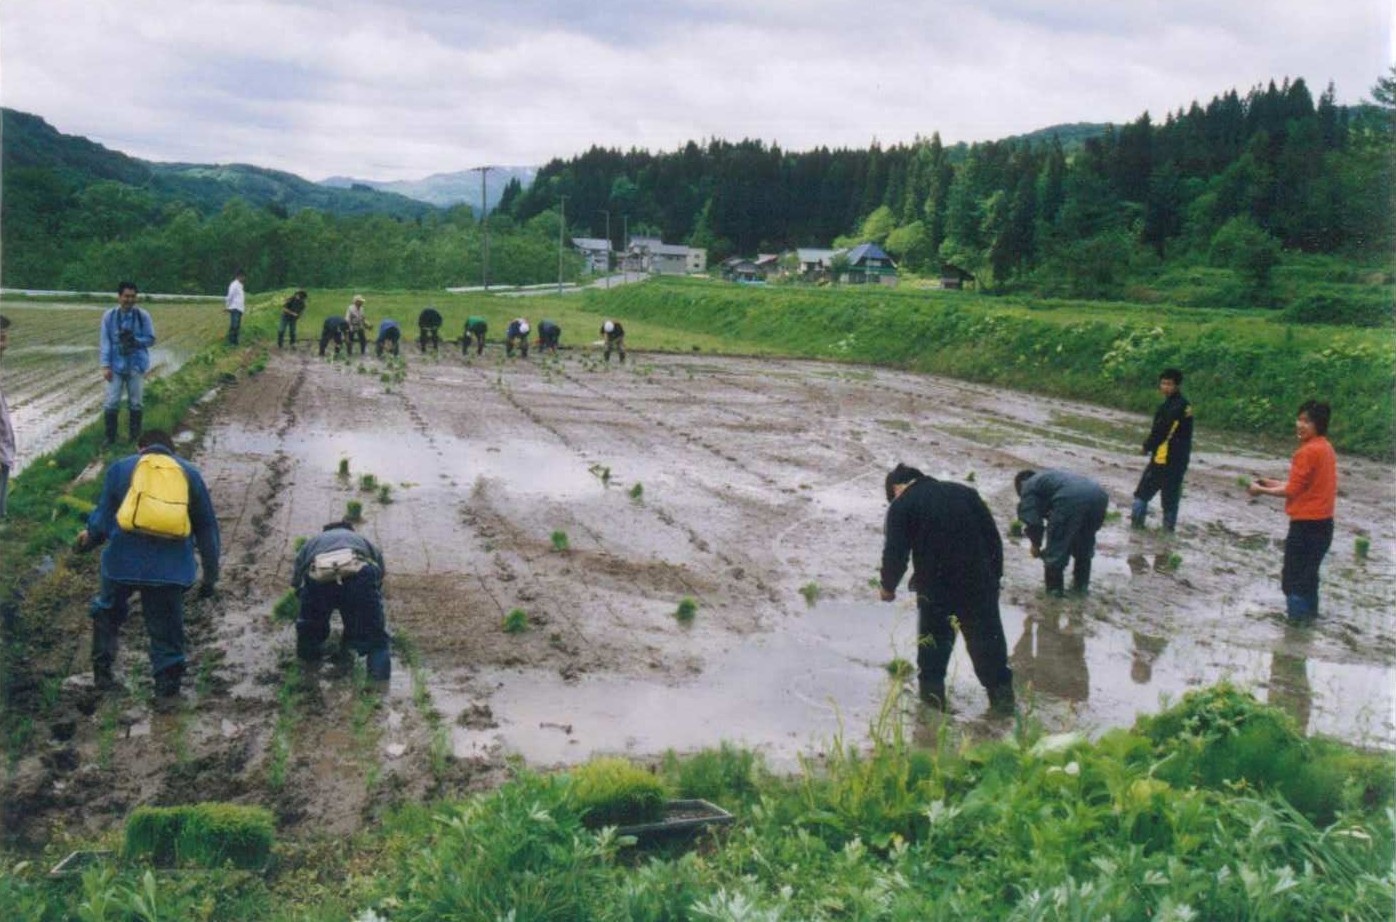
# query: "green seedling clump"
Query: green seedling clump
{"points": [[344, 467], [299, 543], [368, 483], [1015, 529], [559, 539], [810, 591], [207, 835], [516, 622], [1362, 547], [1175, 560], [385, 494], [612, 792], [688, 607], [900, 669], [354, 511], [287, 608], [715, 775], [637, 491]]}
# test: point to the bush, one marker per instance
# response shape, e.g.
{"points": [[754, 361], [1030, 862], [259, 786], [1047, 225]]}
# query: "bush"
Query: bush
{"points": [[1369, 310], [205, 835], [614, 792]]}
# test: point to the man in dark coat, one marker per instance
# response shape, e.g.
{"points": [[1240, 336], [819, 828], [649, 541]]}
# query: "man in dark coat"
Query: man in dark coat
{"points": [[356, 589], [389, 336], [333, 328], [1068, 509], [290, 315], [549, 335], [957, 556], [159, 568], [614, 334], [429, 329], [1169, 447], [516, 335]]}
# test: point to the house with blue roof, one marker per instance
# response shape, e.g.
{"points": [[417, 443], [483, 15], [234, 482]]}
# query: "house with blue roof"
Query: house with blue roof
{"points": [[869, 263]]}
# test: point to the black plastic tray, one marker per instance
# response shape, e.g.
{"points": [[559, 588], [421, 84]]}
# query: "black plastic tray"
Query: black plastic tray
{"points": [[681, 817]]}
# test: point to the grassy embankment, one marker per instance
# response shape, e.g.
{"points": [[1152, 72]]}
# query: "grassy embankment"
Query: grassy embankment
{"points": [[1214, 809], [1247, 370]]}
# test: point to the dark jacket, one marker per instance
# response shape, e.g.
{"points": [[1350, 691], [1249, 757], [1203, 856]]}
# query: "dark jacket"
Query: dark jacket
{"points": [[617, 330], [1059, 496], [334, 325], [332, 539], [144, 561], [1170, 440], [950, 534], [429, 318], [388, 328], [293, 307], [547, 330]]}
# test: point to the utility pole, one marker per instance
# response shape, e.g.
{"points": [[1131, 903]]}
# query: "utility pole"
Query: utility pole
{"points": [[608, 245], [561, 226], [624, 240], [484, 222]]}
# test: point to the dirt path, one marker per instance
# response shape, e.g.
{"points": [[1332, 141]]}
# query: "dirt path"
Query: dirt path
{"points": [[734, 482]]}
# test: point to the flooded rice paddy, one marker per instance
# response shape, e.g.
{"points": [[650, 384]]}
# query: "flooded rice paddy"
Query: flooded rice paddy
{"points": [[751, 486]]}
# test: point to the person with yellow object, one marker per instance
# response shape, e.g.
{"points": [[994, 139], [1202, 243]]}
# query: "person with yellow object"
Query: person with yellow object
{"points": [[154, 510], [1169, 447]]}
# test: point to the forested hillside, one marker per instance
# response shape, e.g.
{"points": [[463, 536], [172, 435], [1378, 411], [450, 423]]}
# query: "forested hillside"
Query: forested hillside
{"points": [[1207, 208], [1231, 182]]}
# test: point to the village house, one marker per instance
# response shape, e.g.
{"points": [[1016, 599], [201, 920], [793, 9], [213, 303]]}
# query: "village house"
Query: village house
{"points": [[868, 263], [815, 263], [595, 251], [741, 269]]}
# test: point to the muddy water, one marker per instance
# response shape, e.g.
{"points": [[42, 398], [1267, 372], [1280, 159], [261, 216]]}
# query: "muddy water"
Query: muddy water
{"points": [[736, 483]]}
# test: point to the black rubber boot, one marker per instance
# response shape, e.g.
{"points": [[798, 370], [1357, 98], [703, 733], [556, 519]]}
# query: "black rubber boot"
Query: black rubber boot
{"points": [[1001, 701], [1055, 579], [933, 695], [109, 418], [167, 681], [134, 427], [1081, 576]]}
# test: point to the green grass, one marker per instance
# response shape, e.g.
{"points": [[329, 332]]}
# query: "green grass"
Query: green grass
{"points": [[204, 835], [516, 622], [612, 792]]}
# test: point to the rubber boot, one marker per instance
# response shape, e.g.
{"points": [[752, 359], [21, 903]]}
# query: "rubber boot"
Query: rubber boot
{"points": [[1298, 609], [134, 426], [309, 652], [1002, 701], [380, 665], [105, 638], [1170, 520], [1081, 576], [933, 694], [109, 418], [167, 681], [1055, 579], [1138, 513]]}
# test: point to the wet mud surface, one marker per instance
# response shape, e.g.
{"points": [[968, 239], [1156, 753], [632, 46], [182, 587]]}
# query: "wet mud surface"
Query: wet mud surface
{"points": [[735, 482]]}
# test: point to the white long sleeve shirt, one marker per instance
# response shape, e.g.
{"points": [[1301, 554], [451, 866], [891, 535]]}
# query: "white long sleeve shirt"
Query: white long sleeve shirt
{"points": [[236, 300]]}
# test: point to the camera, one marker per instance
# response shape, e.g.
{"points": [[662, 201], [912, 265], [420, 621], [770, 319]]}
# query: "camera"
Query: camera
{"points": [[126, 342]]}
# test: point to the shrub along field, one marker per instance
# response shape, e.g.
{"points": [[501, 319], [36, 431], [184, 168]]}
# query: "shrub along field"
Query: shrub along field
{"points": [[1217, 808], [1247, 370]]}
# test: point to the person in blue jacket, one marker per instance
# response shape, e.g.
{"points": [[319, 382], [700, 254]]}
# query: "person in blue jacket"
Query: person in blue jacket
{"points": [[126, 337], [389, 333], [160, 569], [549, 335], [358, 595], [1067, 509], [516, 335]]}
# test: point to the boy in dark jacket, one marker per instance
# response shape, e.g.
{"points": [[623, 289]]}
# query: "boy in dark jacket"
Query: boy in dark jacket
{"points": [[1169, 447], [159, 568], [290, 315], [957, 556], [333, 329], [429, 329]]}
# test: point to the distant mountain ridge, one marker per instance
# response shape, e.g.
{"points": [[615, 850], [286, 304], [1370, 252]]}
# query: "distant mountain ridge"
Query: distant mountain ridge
{"points": [[446, 189], [32, 143]]}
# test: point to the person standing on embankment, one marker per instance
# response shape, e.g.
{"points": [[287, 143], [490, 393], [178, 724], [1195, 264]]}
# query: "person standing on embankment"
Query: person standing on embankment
{"points": [[235, 303], [1310, 495], [127, 333]]}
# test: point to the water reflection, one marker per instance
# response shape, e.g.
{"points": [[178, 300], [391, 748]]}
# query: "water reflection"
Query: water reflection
{"points": [[1051, 655], [1146, 650], [1289, 686]]}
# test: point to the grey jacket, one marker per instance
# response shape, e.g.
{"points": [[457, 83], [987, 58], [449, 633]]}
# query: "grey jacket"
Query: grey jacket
{"points": [[1058, 495], [332, 540]]}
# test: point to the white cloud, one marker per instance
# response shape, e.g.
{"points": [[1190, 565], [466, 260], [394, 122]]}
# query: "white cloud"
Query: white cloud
{"points": [[400, 90]]}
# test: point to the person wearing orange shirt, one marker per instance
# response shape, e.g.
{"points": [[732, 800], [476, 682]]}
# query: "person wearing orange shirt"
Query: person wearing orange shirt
{"points": [[1309, 494]]}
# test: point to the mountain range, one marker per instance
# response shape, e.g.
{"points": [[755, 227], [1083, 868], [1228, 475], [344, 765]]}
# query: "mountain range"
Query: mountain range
{"points": [[446, 189]]}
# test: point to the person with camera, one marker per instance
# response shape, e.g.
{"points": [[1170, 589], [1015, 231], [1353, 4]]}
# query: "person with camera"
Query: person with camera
{"points": [[153, 512], [127, 333]]}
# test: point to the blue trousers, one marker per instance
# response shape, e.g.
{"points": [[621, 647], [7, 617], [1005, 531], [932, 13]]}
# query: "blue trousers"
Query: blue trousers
{"points": [[288, 323], [359, 600], [1305, 547], [234, 326], [163, 610], [133, 383]]}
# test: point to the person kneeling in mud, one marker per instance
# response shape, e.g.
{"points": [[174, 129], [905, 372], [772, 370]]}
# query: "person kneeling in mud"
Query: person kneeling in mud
{"points": [[1068, 509], [957, 559], [341, 569], [333, 329], [614, 334], [516, 335], [389, 335], [475, 329], [549, 335], [429, 329]]}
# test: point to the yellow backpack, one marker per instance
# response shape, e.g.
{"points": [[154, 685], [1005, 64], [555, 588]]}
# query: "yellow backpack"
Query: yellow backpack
{"points": [[157, 502]]}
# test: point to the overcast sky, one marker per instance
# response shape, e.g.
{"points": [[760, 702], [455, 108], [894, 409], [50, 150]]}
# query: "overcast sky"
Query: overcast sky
{"points": [[399, 90]]}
